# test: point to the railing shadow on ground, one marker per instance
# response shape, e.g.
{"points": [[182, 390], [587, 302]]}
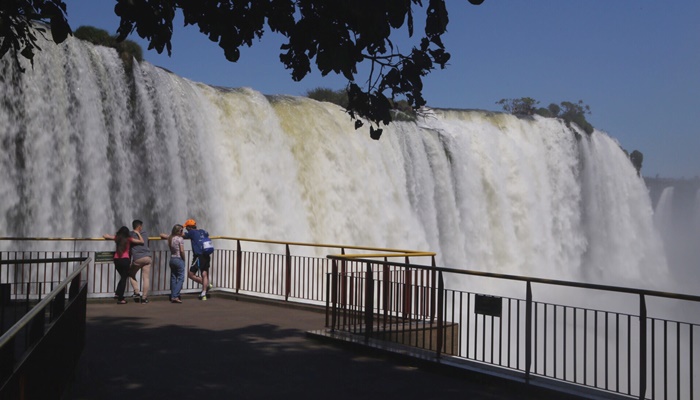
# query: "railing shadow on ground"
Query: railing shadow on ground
{"points": [[536, 335]]}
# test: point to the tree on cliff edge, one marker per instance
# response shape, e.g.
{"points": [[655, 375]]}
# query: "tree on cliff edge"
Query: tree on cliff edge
{"points": [[336, 35]]}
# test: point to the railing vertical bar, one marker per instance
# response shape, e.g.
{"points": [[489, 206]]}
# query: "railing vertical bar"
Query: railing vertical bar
{"points": [[690, 360], [607, 353], [287, 273], [563, 351], [369, 300], [653, 358], [386, 282], [334, 295], [617, 352], [483, 338], [476, 336], [518, 303], [457, 308], [554, 344], [500, 341], [575, 344], [544, 341], [665, 353], [536, 354], [440, 313], [468, 335], [595, 348], [255, 271], [528, 330], [643, 347], [329, 312], [238, 266], [491, 345], [508, 344], [629, 354], [678, 360]]}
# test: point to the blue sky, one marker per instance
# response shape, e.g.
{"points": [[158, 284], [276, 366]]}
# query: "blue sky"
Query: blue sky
{"points": [[636, 63]]}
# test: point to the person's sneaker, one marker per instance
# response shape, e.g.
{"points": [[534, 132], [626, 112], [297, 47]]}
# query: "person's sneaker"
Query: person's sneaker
{"points": [[136, 297], [144, 300], [209, 287], [203, 298]]}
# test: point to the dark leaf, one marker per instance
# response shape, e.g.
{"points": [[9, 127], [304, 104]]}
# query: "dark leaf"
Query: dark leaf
{"points": [[375, 133]]}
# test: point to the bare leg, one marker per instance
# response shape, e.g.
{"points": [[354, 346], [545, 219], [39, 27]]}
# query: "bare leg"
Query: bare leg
{"points": [[205, 281], [194, 277]]}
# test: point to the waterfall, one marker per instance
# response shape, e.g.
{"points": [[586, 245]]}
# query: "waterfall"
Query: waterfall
{"points": [[89, 146], [677, 218], [663, 213]]}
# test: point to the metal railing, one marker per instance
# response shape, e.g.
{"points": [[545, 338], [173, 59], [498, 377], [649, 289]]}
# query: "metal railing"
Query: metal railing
{"points": [[276, 269], [40, 350], [624, 351]]}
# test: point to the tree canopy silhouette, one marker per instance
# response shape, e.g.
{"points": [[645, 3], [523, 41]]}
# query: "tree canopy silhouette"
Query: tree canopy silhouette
{"points": [[336, 35]]}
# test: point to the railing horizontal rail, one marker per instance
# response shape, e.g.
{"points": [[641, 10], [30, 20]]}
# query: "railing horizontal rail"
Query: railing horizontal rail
{"points": [[42, 260], [28, 317], [583, 285]]}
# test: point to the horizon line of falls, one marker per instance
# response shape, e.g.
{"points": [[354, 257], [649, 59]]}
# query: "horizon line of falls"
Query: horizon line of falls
{"points": [[87, 149]]}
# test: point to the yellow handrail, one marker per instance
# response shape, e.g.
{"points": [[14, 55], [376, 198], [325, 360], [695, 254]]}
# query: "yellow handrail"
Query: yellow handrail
{"points": [[385, 251]]}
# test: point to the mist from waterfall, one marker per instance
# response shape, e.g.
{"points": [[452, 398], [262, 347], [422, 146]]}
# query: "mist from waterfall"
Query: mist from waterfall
{"points": [[677, 218], [88, 149]]}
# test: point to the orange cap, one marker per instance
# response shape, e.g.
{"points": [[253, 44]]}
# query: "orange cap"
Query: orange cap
{"points": [[190, 222]]}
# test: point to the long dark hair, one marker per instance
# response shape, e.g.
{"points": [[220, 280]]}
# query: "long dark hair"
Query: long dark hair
{"points": [[122, 239]]}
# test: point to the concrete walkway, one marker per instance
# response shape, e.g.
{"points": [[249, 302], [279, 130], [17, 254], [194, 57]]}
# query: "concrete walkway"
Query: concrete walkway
{"points": [[233, 349]]}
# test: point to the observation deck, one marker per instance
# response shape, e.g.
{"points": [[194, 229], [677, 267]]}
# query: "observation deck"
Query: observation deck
{"points": [[244, 348]]}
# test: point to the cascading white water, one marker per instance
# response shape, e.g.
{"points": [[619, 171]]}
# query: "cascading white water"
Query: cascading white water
{"points": [[677, 218], [87, 149], [663, 213]]}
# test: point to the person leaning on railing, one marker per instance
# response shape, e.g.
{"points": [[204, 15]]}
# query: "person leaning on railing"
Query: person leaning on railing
{"points": [[200, 261], [140, 260], [176, 244], [122, 259]]}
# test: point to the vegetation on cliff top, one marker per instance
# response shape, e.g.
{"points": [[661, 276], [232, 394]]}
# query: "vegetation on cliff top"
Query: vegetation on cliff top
{"points": [[567, 111], [128, 50]]}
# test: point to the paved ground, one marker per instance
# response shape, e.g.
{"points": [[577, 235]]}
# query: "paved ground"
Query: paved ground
{"points": [[229, 349]]}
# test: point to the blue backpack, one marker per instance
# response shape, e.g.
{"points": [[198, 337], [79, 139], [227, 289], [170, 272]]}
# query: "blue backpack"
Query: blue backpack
{"points": [[207, 245]]}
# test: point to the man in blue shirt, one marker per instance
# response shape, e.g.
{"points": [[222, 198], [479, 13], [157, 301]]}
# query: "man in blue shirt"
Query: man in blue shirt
{"points": [[201, 261]]}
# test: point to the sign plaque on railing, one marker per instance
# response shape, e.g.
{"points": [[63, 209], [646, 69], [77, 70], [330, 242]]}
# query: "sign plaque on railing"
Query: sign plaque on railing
{"points": [[488, 305], [104, 256]]}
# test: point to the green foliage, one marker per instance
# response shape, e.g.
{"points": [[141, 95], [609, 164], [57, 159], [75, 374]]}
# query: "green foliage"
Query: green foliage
{"points": [[554, 109], [127, 49], [402, 111], [637, 159], [18, 28], [339, 97], [544, 112], [521, 106], [94, 35], [576, 113], [567, 111]]}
